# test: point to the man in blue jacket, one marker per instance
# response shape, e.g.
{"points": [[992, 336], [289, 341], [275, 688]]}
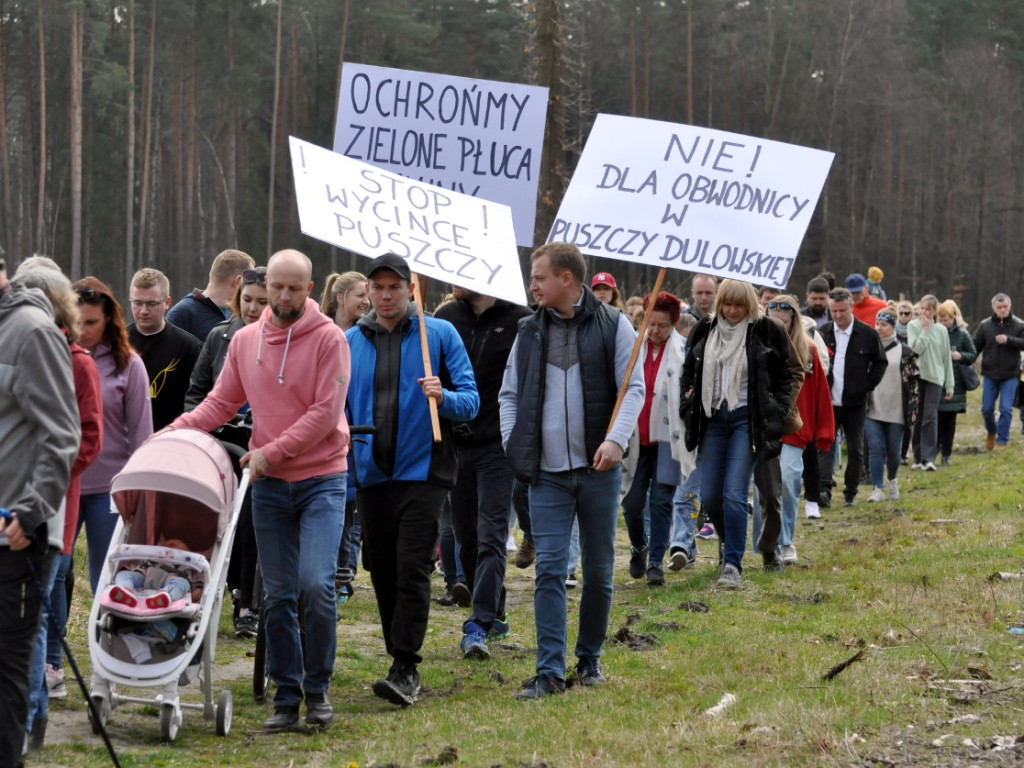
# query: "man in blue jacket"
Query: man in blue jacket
{"points": [[402, 475]]}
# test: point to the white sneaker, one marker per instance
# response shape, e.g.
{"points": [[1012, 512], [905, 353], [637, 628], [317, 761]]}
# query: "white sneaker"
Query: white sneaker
{"points": [[811, 510], [877, 495], [894, 490], [55, 683], [917, 465], [787, 553], [929, 466], [510, 544]]}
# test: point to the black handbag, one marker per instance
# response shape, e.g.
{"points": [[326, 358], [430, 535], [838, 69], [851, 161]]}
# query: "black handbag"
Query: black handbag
{"points": [[969, 376]]}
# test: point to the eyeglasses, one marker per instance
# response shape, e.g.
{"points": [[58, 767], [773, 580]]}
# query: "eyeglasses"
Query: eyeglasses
{"points": [[139, 304], [905, 313], [781, 305], [254, 276]]}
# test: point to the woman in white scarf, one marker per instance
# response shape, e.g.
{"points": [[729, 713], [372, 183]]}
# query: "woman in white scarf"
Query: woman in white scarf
{"points": [[737, 374]]}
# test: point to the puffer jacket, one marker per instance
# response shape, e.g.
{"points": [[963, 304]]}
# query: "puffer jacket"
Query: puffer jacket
{"points": [[769, 382]]}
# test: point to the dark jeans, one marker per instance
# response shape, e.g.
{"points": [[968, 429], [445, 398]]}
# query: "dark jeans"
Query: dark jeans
{"points": [[20, 613], [851, 420], [451, 566], [480, 512], [348, 552], [245, 552], [812, 472], [768, 482], [645, 478], [521, 506], [947, 431], [400, 521]]}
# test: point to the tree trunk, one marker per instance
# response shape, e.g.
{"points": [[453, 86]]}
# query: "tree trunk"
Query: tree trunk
{"points": [[129, 209], [6, 214], [337, 102], [147, 88], [273, 131], [41, 206], [549, 74], [76, 140]]}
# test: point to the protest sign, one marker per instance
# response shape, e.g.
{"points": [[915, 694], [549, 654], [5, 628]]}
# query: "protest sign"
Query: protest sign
{"points": [[684, 197], [479, 137], [445, 235]]}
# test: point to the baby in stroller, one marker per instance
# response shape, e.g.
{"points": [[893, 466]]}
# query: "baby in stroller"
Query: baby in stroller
{"points": [[155, 583]]}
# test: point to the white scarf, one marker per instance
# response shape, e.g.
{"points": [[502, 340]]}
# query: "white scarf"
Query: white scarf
{"points": [[724, 354]]}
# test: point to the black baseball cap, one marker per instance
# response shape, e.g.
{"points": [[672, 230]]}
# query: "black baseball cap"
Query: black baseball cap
{"points": [[391, 261]]}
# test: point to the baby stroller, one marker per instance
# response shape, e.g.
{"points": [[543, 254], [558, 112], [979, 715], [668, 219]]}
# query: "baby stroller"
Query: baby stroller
{"points": [[179, 487]]}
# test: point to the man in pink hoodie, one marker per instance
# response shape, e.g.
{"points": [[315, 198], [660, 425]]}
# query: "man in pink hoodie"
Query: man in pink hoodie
{"points": [[292, 367]]}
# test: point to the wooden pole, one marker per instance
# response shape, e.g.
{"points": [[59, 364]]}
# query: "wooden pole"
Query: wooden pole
{"points": [[640, 333], [435, 422]]}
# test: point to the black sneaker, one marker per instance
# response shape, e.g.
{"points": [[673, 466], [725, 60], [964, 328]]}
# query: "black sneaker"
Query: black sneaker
{"points": [[637, 562], [247, 625], [318, 709], [655, 575], [678, 559], [571, 581], [400, 687], [772, 562], [283, 719], [463, 597], [588, 672], [447, 599], [540, 686]]}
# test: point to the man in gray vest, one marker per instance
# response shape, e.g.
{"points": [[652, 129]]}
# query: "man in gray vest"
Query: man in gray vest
{"points": [[556, 403]]}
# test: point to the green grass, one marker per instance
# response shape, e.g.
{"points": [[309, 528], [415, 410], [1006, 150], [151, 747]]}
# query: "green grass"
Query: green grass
{"points": [[906, 582]]}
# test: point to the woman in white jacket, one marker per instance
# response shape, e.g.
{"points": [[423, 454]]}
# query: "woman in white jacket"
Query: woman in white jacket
{"points": [[656, 447]]}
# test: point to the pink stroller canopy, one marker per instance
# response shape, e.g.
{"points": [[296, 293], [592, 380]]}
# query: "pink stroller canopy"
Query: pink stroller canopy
{"points": [[183, 482]]}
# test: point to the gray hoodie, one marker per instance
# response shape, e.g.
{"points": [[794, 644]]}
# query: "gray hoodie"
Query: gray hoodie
{"points": [[39, 423]]}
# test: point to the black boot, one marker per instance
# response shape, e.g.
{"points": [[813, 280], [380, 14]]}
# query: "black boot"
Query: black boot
{"points": [[38, 734]]}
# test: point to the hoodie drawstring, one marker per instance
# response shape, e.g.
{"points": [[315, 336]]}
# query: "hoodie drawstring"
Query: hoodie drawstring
{"points": [[287, 344]]}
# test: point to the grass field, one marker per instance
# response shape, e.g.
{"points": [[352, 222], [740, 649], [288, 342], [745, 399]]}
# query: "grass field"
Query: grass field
{"points": [[904, 584]]}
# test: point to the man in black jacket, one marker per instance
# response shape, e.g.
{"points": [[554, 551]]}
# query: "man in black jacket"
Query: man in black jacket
{"points": [[999, 340], [482, 494], [858, 364]]}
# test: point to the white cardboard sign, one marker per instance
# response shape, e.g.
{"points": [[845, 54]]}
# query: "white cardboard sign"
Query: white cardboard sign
{"points": [[698, 199], [445, 235], [479, 137]]}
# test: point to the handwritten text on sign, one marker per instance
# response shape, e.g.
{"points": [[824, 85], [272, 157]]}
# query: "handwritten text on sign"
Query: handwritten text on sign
{"points": [[445, 235], [672, 195], [479, 137]]}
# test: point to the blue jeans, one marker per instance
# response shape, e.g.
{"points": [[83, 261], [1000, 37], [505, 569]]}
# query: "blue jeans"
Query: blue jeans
{"points": [[792, 462], [556, 499], [94, 513], [726, 463], [38, 698], [298, 529], [59, 603], [646, 478], [1005, 389], [685, 513], [885, 442]]}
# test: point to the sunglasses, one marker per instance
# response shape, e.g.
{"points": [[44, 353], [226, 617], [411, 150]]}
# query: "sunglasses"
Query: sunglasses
{"points": [[839, 294], [905, 313], [251, 276], [88, 295], [781, 305]]}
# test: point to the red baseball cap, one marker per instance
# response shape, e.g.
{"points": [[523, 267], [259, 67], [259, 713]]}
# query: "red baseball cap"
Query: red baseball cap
{"points": [[603, 278]]}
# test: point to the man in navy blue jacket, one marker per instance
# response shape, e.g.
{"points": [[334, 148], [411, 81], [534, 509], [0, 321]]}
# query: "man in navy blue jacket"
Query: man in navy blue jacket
{"points": [[402, 475]]}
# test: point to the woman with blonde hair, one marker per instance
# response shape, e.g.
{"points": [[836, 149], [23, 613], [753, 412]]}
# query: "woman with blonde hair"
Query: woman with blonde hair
{"points": [[815, 428], [736, 385], [345, 298], [961, 352]]}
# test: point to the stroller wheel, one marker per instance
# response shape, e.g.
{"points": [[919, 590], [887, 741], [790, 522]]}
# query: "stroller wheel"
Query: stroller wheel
{"points": [[97, 721], [170, 720], [225, 708]]}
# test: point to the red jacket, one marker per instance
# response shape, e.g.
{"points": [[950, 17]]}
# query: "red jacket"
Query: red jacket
{"points": [[868, 309], [815, 405], [90, 413]]}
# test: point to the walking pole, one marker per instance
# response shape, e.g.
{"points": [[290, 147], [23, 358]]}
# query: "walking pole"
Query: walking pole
{"points": [[640, 333], [425, 350]]}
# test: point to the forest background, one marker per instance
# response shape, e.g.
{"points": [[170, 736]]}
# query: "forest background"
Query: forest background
{"points": [[147, 133]]}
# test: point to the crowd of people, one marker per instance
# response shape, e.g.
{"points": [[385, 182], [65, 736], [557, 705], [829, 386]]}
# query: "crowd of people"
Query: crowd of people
{"points": [[734, 387]]}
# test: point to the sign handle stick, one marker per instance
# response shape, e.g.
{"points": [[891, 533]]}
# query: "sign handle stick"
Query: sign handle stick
{"points": [[425, 350], [640, 334]]}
